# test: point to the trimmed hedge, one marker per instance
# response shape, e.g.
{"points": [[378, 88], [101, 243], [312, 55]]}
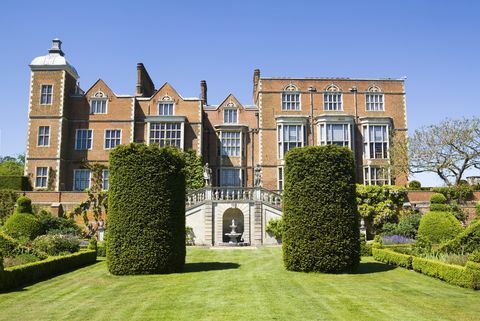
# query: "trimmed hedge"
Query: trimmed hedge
{"points": [[17, 276], [320, 211], [466, 242], [146, 210], [437, 227], [16, 183], [453, 274], [7, 244], [24, 205], [392, 257], [23, 225], [438, 198]]}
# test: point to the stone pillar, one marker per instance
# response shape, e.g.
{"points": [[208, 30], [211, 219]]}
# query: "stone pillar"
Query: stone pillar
{"points": [[209, 221], [56, 209], [257, 224]]}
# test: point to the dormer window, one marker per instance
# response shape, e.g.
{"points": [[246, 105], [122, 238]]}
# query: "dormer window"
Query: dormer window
{"points": [[165, 106], [98, 103], [291, 98], [230, 114], [332, 98]]}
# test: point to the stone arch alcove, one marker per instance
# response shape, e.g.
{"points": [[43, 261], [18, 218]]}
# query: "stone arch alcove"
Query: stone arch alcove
{"points": [[228, 216]]}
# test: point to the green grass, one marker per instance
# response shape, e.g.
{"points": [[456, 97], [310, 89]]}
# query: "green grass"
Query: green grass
{"points": [[242, 285]]}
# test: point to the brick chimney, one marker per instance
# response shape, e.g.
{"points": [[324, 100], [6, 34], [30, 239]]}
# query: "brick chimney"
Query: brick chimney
{"points": [[256, 79], [145, 85], [203, 91]]}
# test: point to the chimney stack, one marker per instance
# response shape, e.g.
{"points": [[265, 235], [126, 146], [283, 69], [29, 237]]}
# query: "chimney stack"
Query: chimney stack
{"points": [[145, 86], [256, 79], [203, 91], [56, 47]]}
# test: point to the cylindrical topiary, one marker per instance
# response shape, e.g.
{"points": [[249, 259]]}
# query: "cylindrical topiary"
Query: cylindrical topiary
{"points": [[437, 227], [320, 210], [23, 226], [24, 205], [146, 219]]}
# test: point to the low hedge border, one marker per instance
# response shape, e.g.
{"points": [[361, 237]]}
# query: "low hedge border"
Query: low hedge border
{"points": [[468, 277], [392, 257], [17, 276]]}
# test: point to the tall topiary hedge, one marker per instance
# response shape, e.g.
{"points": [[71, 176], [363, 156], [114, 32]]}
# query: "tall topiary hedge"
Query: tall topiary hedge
{"points": [[146, 210], [320, 211]]}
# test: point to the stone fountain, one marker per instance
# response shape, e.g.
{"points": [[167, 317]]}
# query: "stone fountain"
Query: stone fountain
{"points": [[233, 235]]}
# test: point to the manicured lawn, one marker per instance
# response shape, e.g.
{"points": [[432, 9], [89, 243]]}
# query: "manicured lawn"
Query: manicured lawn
{"points": [[242, 285]]}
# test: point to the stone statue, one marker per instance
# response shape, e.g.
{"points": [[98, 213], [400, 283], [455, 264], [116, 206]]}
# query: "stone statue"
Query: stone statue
{"points": [[207, 175], [257, 180]]}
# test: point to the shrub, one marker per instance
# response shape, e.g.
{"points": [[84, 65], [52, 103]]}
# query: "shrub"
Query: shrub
{"points": [[16, 276], [396, 239], [474, 256], [23, 226], [438, 198], [320, 214], [193, 170], [24, 205], [477, 209], [92, 244], [102, 249], [467, 241], [276, 227], [452, 274], [459, 193], [457, 211], [407, 226], [437, 227], [146, 216], [55, 244], [58, 225], [415, 185], [20, 259], [7, 245], [7, 203], [14, 182], [391, 257], [365, 248], [439, 207]]}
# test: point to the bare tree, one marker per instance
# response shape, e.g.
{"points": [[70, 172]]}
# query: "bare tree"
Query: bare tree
{"points": [[447, 149]]}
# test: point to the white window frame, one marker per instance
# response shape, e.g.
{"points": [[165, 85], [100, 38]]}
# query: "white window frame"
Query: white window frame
{"points": [[280, 178], [163, 103], [367, 141], [281, 139], [336, 105], [45, 177], [380, 103], [228, 145], [369, 171], [95, 101], [323, 137], [105, 138], [47, 94], [44, 136], [107, 180], [76, 139], [228, 114], [289, 104], [161, 141], [88, 180]]}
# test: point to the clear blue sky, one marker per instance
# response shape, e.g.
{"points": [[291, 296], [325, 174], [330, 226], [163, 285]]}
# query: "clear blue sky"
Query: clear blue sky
{"points": [[435, 44]]}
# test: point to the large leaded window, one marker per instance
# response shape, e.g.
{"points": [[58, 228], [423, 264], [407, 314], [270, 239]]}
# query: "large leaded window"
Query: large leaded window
{"points": [[374, 102], [81, 179], [335, 134], [113, 137], [41, 177], [46, 95], [230, 116], [291, 98], [230, 143], [166, 134], [83, 139], [332, 98], [373, 175], [230, 177], [43, 136], [289, 136], [376, 141]]}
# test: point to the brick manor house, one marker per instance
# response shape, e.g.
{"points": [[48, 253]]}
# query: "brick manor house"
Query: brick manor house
{"points": [[69, 127]]}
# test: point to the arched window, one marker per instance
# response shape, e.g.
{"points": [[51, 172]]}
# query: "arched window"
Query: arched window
{"points": [[374, 99], [291, 98], [230, 113], [332, 98]]}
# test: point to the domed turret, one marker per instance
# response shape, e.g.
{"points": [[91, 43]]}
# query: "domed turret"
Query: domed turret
{"points": [[55, 60]]}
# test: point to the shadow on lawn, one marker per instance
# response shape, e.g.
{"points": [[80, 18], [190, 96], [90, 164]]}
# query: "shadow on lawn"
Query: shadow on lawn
{"points": [[373, 267], [209, 266]]}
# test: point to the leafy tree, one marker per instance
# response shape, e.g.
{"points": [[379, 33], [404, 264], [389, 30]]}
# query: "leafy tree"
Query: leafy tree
{"points": [[399, 165], [448, 149], [193, 170], [12, 166]]}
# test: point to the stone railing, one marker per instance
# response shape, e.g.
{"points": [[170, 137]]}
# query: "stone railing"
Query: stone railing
{"points": [[195, 197]]}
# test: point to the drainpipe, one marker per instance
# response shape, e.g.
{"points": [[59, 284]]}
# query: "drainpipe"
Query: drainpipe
{"points": [[312, 90]]}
